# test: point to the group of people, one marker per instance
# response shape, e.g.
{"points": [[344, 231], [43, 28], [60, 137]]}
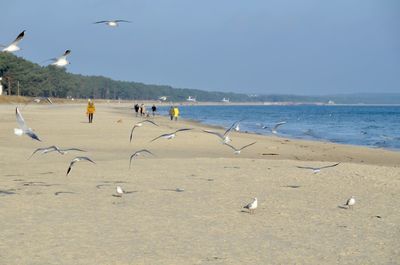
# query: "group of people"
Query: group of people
{"points": [[173, 111], [142, 110]]}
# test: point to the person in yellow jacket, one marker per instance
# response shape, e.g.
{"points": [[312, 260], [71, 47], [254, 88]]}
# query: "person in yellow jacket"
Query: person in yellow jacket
{"points": [[176, 113], [90, 110]]}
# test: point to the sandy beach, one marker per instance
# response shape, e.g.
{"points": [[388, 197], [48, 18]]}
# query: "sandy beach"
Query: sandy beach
{"points": [[50, 218]]}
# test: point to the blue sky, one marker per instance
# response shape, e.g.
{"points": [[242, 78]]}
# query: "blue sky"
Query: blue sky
{"points": [[254, 46]]}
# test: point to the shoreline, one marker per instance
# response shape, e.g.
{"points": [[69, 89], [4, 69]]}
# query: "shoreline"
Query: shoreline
{"points": [[25, 99]]}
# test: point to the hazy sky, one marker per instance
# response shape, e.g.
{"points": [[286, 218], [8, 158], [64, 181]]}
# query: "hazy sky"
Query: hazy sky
{"points": [[249, 46]]}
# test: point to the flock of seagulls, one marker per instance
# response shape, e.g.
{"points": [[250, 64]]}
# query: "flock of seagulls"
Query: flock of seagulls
{"points": [[224, 137]]}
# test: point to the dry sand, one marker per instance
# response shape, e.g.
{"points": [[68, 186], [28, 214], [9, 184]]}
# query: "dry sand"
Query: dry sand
{"points": [[298, 220]]}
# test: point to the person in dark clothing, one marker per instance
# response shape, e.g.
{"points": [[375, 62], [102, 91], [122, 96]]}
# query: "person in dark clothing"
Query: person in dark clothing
{"points": [[154, 109], [136, 109]]}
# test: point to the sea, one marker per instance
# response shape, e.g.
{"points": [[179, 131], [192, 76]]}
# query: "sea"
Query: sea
{"points": [[372, 126]]}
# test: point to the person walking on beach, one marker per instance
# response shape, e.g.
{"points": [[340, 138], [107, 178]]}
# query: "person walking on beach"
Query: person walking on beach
{"points": [[154, 109], [90, 110], [142, 110], [176, 113], [171, 113], [136, 109]]}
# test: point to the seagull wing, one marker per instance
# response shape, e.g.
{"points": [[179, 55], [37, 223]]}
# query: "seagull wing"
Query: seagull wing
{"points": [[226, 133], [67, 52], [215, 133], [32, 134], [20, 120], [81, 158], [334, 165], [39, 149], [146, 151], [162, 135], [149, 121], [71, 149], [103, 21], [19, 38], [278, 124], [121, 20], [234, 148], [185, 129], [312, 168], [137, 152], [247, 146], [130, 137]]}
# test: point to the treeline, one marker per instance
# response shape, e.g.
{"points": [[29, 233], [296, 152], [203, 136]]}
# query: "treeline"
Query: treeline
{"points": [[30, 79]]}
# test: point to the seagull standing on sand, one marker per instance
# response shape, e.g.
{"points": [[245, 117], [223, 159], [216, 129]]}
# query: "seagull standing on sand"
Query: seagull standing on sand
{"points": [[170, 135], [62, 60], [120, 191], [350, 202], [237, 151], [225, 137], [318, 169], [77, 159], [112, 23], [138, 153], [140, 124], [23, 128], [252, 206], [13, 47]]}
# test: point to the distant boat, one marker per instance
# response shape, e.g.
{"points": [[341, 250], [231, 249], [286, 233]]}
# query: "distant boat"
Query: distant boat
{"points": [[191, 99], [225, 100], [163, 98]]}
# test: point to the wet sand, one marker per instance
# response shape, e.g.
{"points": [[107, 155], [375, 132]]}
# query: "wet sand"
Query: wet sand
{"points": [[51, 218]]}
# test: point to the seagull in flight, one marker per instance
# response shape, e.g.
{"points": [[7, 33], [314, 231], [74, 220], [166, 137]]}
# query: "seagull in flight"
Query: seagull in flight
{"points": [[54, 148], [274, 129], [60, 61], [112, 23], [23, 128], [140, 124], [138, 153], [225, 137], [252, 206], [170, 135], [77, 159], [350, 202], [318, 169], [236, 150], [13, 47]]}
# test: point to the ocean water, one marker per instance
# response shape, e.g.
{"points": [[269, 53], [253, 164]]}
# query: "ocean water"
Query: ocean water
{"points": [[373, 126]]}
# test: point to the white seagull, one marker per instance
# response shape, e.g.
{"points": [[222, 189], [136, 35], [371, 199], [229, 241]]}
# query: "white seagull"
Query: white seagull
{"points": [[274, 129], [138, 153], [77, 159], [140, 124], [62, 60], [318, 169], [350, 202], [13, 47], [252, 206], [120, 191], [236, 150], [55, 148], [225, 137], [23, 128], [170, 135], [112, 23]]}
